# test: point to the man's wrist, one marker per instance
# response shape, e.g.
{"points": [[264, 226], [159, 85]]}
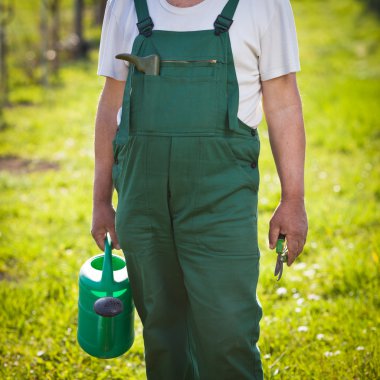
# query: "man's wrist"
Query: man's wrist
{"points": [[102, 201], [287, 197], [103, 189]]}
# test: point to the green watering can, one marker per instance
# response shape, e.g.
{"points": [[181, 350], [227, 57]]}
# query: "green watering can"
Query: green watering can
{"points": [[105, 306]]}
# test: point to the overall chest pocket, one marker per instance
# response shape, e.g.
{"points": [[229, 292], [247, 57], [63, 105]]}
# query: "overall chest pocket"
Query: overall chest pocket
{"points": [[184, 99]]}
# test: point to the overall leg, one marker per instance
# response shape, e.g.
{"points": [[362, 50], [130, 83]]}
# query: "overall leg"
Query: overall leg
{"points": [[144, 231], [215, 201]]}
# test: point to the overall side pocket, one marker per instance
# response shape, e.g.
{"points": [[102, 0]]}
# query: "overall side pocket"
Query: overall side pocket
{"points": [[244, 152], [118, 153], [115, 166]]}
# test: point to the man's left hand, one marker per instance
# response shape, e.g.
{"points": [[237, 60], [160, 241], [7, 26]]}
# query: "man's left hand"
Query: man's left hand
{"points": [[289, 219]]}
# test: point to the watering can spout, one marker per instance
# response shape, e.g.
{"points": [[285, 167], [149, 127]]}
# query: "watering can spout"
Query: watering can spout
{"points": [[149, 65]]}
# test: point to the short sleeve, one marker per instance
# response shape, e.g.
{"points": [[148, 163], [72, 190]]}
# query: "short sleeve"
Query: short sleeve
{"points": [[112, 43], [278, 45]]}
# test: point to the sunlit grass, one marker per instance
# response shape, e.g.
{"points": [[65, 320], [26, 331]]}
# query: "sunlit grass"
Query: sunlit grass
{"points": [[321, 321]]}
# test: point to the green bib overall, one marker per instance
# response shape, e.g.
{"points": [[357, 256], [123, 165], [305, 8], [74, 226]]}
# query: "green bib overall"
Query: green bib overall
{"points": [[187, 178]]}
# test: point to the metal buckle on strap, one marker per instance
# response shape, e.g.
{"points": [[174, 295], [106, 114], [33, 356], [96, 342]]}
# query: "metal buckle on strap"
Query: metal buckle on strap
{"points": [[222, 24], [145, 26]]}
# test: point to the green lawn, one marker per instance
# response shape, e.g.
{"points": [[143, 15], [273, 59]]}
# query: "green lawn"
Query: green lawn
{"points": [[321, 321]]}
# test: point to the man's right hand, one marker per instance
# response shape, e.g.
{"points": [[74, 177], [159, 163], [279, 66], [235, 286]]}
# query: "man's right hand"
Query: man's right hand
{"points": [[103, 221]]}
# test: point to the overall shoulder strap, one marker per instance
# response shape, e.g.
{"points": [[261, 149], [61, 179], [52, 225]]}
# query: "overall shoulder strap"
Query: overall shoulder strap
{"points": [[224, 21], [145, 22]]}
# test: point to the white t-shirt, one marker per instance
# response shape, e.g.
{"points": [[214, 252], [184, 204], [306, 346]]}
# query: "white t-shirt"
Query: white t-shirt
{"points": [[263, 40]]}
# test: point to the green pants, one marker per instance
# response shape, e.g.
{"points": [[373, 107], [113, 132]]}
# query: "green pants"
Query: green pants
{"points": [[187, 178], [187, 223]]}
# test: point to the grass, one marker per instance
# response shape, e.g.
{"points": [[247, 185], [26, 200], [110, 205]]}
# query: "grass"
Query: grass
{"points": [[321, 321]]}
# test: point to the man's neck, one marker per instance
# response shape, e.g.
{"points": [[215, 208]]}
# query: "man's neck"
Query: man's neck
{"points": [[183, 3]]}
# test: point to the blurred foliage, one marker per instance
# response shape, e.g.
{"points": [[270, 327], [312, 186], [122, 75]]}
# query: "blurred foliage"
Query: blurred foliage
{"points": [[25, 40]]}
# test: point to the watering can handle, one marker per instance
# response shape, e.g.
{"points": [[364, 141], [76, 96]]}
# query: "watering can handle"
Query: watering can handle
{"points": [[107, 272]]}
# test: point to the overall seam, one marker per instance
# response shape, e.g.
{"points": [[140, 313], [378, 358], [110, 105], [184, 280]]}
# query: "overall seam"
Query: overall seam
{"points": [[147, 203]]}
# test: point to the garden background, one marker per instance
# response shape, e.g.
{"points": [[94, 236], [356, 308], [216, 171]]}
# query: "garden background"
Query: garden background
{"points": [[321, 321]]}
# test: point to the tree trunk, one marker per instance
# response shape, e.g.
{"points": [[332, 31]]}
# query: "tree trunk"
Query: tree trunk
{"points": [[3, 61], [99, 8], [81, 47], [44, 32], [6, 13], [54, 56]]}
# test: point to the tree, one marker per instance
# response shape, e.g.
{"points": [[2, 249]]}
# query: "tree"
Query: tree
{"points": [[6, 14], [99, 8], [50, 43], [44, 28], [55, 28], [81, 45]]}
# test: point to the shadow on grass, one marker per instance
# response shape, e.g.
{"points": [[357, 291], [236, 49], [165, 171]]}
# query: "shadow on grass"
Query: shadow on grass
{"points": [[16, 164]]}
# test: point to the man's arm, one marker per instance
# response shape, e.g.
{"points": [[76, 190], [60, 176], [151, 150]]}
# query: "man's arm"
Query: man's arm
{"points": [[103, 215], [283, 111]]}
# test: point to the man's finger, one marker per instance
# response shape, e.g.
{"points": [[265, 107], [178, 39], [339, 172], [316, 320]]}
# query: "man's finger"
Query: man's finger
{"points": [[115, 242], [294, 250], [99, 239], [274, 231]]}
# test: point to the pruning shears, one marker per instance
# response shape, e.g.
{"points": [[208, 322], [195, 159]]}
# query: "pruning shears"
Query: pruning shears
{"points": [[282, 256]]}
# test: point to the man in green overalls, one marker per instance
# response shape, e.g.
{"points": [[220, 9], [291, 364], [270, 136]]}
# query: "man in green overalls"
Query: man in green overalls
{"points": [[185, 170]]}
